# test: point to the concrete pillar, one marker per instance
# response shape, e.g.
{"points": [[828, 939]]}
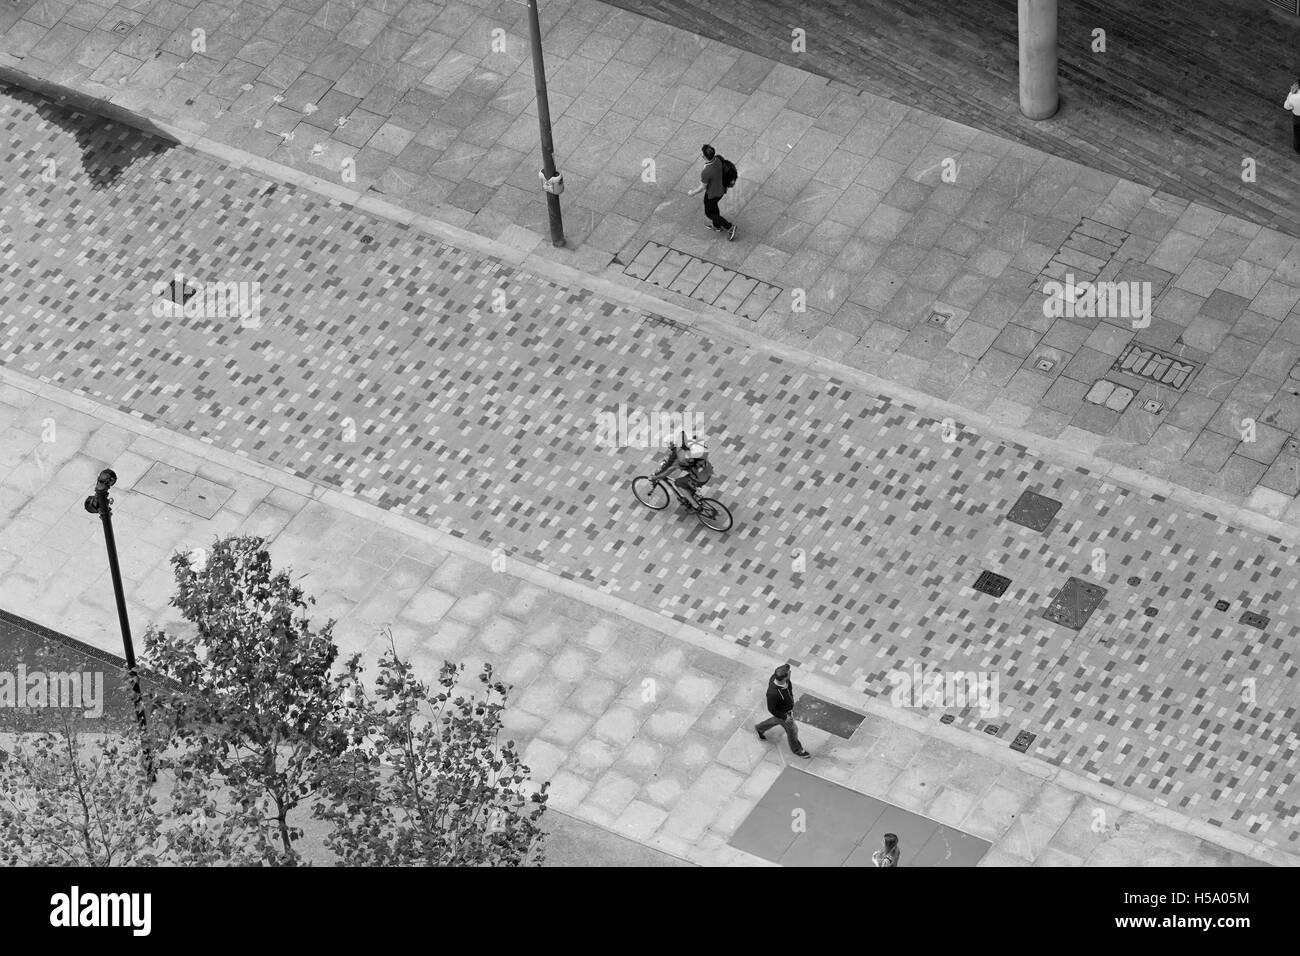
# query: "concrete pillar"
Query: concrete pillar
{"points": [[1038, 96]]}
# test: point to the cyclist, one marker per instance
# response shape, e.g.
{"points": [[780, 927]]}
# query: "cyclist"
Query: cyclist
{"points": [[693, 461]]}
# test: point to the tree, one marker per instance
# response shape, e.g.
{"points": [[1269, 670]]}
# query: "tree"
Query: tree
{"points": [[255, 713], [432, 785], [65, 801]]}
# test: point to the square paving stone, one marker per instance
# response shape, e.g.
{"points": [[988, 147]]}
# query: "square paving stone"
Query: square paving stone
{"points": [[1210, 450]]}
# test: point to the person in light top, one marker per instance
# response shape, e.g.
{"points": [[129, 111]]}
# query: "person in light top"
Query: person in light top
{"points": [[1293, 104]]}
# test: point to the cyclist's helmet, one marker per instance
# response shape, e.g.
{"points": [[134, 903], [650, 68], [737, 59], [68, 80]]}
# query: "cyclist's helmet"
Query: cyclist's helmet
{"points": [[697, 448]]}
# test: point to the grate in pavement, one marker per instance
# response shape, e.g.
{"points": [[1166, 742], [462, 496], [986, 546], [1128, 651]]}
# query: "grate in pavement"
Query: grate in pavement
{"points": [[183, 489], [122, 28], [1251, 619], [1074, 603], [689, 275], [1222, 605], [990, 583], [1086, 251], [1023, 740], [1034, 511], [826, 716], [1155, 366]]}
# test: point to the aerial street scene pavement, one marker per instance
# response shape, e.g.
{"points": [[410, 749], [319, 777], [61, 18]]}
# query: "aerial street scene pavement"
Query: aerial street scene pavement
{"points": [[649, 434]]}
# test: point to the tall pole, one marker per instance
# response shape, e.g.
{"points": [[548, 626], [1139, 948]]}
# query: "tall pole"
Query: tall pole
{"points": [[550, 176], [99, 503], [1037, 29]]}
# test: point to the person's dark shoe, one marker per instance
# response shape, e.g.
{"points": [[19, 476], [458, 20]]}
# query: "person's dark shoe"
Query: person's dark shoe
{"points": [[802, 753], [731, 234], [759, 732]]}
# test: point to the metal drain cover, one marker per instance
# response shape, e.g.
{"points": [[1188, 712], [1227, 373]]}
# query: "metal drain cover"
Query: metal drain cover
{"points": [[990, 583], [1023, 740], [1034, 511], [1222, 605], [1074, 603], [1251, 619]]}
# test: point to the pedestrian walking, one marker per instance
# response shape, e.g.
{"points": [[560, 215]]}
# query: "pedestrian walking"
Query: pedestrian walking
{"points": [[1293, 104], [780, 704], [889, 853], [716, 178]]}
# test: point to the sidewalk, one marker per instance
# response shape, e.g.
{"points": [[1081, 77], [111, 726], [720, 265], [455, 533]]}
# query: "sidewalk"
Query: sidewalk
{"points": [[678, 770], [930, 284], [1176, 108]]}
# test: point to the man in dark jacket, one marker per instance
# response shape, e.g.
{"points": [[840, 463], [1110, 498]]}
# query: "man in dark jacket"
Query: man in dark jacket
{"points": [[780, 704], [713, 187]]}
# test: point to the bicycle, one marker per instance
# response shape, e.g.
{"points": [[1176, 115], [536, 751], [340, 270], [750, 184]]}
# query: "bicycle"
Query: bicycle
{"points": [[653, 493]]}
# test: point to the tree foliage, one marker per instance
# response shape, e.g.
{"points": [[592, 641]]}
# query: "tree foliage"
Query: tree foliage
{"points": [[433, 784], [255, 710], [69, 801]]}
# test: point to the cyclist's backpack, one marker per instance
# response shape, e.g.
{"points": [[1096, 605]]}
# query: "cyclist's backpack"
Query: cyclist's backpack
{"points": [[729, 173], [703, 471]]}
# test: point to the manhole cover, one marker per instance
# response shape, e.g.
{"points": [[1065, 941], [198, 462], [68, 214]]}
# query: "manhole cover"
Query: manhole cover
{"points": [[1293, 445], [1134, 582], [1045, 365], [1074, 603], [947, 719], [992, 730], [1023, 740], [183, 489], [1222, 605], [1152, 406], [122, 28], [990, 583], [1109, 394], [1150, 612], [1034, 511], [939, 318], [826, 716], [1251, 619]]}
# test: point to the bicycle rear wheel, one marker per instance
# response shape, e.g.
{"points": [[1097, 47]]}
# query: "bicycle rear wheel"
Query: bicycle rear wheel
{"points": [[649, 492], [714, 514]]}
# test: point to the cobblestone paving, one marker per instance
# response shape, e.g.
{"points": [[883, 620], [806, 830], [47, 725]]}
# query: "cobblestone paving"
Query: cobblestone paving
{"points": [[482, 422]]}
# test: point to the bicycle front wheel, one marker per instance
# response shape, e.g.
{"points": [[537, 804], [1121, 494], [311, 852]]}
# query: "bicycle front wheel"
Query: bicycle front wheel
{"points": [[649, 492], [714, 514]]}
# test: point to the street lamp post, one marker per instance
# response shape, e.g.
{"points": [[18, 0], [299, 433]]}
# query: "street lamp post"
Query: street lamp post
{"points": [[552, 181], [100, 504]]}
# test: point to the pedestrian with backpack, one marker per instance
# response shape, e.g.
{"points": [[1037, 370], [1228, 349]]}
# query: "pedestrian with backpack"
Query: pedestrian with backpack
{"points": [[716, 178]]}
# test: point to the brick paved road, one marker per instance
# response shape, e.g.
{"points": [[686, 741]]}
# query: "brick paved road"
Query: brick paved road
{"points": [[481, 422], [1182, 93]]}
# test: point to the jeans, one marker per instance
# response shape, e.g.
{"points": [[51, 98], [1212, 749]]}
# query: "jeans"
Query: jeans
{"points": [[791, 732], [715, 216]]}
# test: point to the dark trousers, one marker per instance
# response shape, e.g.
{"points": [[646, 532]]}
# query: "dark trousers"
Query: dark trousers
{"points": [[1295, 133], [715, 217], [791, 731]]}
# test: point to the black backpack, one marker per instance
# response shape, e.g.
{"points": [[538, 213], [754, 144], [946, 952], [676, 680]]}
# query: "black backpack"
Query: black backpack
{"points": [[729, 173]]}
